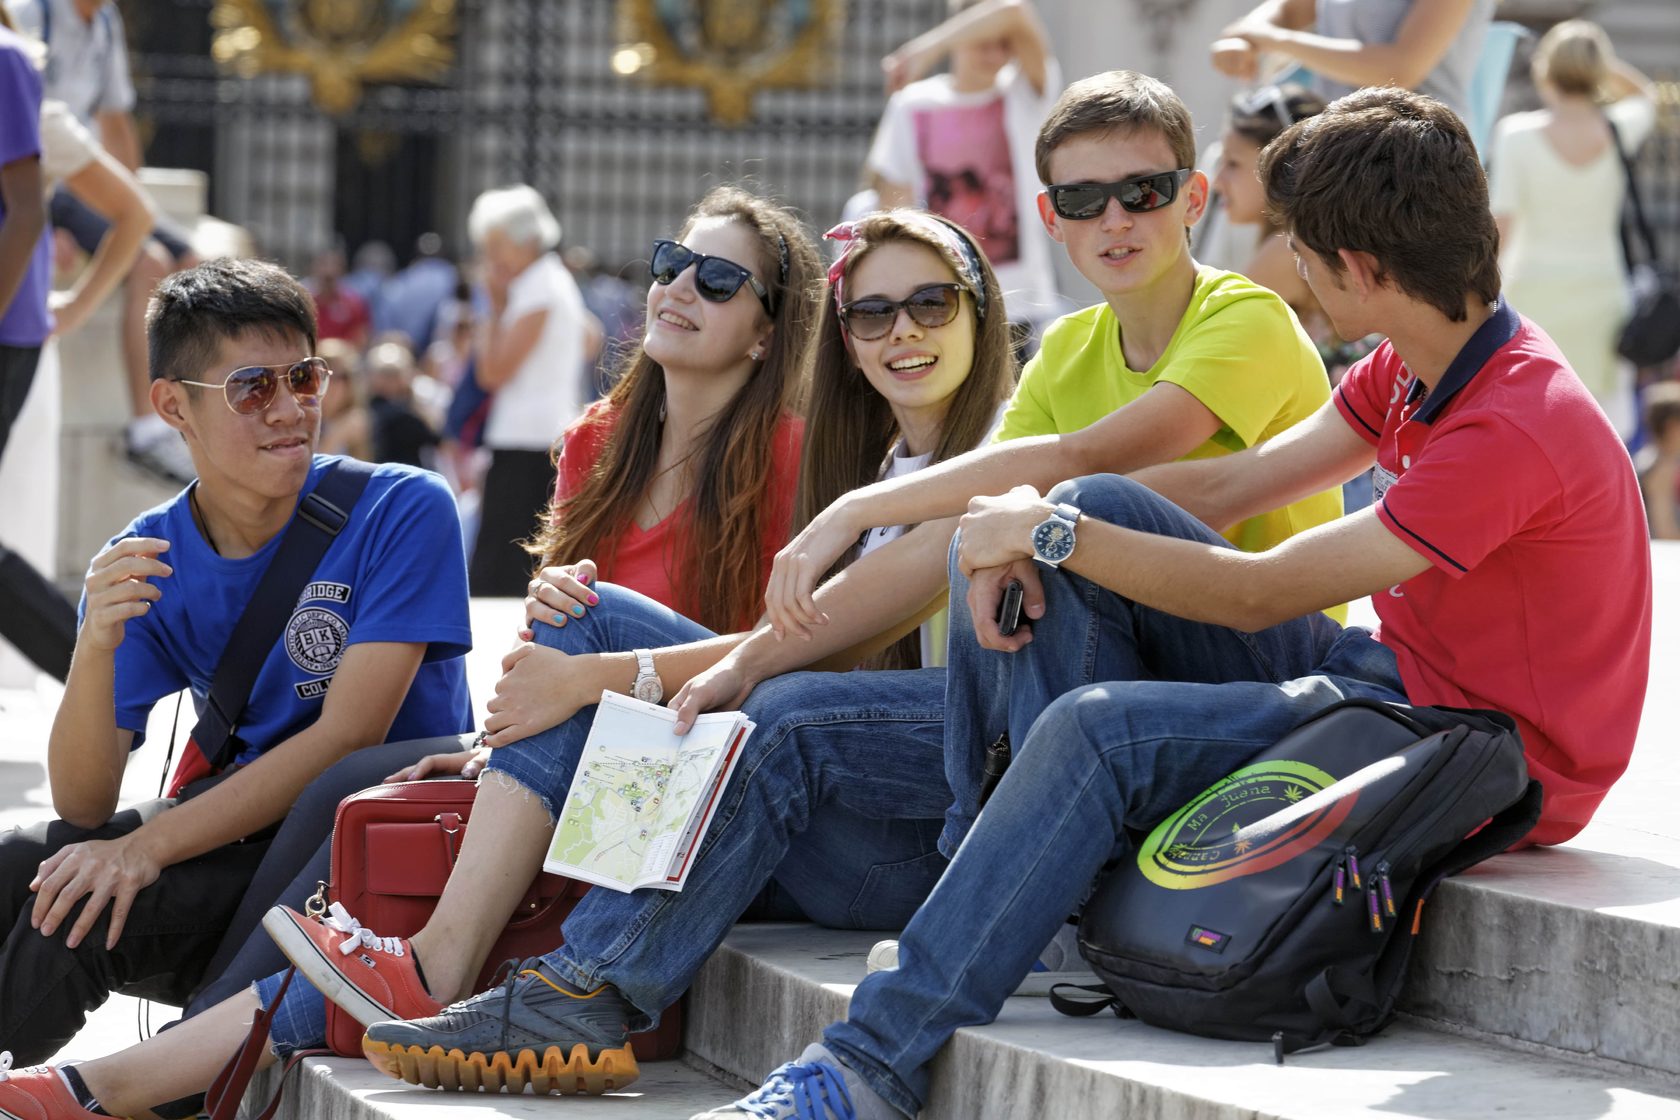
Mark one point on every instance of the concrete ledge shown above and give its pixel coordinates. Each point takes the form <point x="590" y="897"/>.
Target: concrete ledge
<point x="1547" y="947"/>
<point x="350" y="1089"/>
<point x="772" y="988"/>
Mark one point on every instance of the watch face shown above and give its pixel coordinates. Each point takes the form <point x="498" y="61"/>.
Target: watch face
<point x="1053" y="541"/>
<point x="648" y="690"/>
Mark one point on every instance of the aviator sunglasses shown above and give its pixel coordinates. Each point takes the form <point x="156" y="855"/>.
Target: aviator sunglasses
<point x="1080" y="201"/>
<point x="717" y="279"/>
<point x="251" y="389"/>
<point x="872" y="317"/>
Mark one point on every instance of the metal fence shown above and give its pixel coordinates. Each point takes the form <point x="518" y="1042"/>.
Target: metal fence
<point x="533" y="98"/>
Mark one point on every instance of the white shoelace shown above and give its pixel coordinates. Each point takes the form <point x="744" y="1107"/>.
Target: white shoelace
<point x="339" y="920"/>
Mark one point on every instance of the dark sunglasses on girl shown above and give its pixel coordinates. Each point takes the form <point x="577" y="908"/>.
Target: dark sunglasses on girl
<point x="251" y="389"/>
<point x="1080" y="201"/>
<point x="717" y="279"/>
<point x="872" y="317"/>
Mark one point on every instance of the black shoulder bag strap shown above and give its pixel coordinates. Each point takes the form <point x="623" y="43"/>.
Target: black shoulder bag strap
<point x="321" y="515"/>
<point x="1641" y="224"/>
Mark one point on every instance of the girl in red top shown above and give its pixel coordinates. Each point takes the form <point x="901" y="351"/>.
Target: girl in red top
<point x="680" y="483"/>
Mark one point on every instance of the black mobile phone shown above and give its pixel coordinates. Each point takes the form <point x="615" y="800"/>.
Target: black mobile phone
<point x="1009" y="611"/>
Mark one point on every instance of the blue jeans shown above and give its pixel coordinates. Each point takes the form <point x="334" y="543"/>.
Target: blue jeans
<point x="623" y="620"/>
<point x="1125" y="714"/>
<point x="838" y="796"/>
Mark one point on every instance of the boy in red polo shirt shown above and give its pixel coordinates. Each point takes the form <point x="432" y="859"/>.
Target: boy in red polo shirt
<point x="1506" y="555"/>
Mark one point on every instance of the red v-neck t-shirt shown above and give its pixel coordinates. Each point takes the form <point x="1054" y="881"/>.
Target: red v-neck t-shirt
<point x="1511" y="482"/>
<point x="648" y="560"/>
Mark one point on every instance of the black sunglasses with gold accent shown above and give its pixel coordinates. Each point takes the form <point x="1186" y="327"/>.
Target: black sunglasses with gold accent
<point x="717" y="279"/>
<point x="871" y="317"/>
<point x="1140" y="194"/>
<point x="251" y="389"/>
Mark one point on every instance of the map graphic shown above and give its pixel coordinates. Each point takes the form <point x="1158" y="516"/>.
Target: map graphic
<point x="641" y="796"/>
<point x="623" y="820"/>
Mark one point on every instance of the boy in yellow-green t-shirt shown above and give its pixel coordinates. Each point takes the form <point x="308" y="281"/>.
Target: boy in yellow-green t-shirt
<point x="1237" y="349"/>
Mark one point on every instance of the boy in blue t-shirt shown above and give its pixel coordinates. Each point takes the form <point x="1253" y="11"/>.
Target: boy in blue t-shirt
<point x="137" y="900"/>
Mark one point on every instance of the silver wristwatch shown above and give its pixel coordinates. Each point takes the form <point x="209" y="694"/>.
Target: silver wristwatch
<point x="647" y="686"/>
<point x="1053" y="538"/>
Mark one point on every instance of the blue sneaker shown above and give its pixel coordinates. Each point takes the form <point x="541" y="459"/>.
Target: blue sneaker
<point x="531" y="1030"/>
<point x="814" y="1086"/>
<point x="801" y="1090"/>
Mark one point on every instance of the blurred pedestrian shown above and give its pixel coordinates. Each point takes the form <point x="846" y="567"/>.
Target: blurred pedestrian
<point x="1556" y="188"/>
<point x="340" y="311"/>
<point x="400" y="434"/>
<point x="33" y="615"/>
<point x="527" y="355"/>
<point x="961" y="143"/>
<point x="1431" y="46"/>
<point x="87" y="69"/>
<point x="1658" y="462"/>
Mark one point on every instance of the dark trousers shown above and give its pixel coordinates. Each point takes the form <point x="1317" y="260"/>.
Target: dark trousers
<point x="194" y="937"/>
<point x="46" y="989"/>
<point x="517" y="487"/>
<point x="34" y="617"/>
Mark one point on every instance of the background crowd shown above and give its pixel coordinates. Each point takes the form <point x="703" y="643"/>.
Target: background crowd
<point x="475" y="367"/>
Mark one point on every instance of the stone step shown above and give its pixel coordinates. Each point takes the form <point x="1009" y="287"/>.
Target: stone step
<point x="772" y="988"/>
<point x="350" y="1089"/>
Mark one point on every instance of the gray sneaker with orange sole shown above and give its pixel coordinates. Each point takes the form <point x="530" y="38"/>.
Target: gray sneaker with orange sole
<point x="530" y="1030"/>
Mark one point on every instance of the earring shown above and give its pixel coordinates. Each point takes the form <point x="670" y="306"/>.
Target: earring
<point x="757" y="355"/>
<point x="662" y="410"/>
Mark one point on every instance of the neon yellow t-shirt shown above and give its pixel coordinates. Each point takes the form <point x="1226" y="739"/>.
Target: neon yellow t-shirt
<point x="1238" y="349"/>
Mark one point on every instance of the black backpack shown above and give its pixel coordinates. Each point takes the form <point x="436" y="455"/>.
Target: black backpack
<point x="1283" y="903"/>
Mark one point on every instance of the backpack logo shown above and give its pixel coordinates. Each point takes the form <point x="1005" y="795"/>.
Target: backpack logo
<point x="1247" y="822"/>
<point x="1210" y="939"/>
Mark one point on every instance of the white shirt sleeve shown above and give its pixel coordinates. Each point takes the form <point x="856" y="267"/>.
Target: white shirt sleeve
<point x="893" y="155"/>
<point x="529" y="291"/>
<point x="117" y="90"/>
<point x="1505" y="172"/>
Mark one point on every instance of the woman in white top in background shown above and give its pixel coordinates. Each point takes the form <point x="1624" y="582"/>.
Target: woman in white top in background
<point x="537" y="339"/>
<point x="1556" y="190"/>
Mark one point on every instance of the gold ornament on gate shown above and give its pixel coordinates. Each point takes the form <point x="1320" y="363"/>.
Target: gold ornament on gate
<point x="340" y="45"/>
<point x="730" y="49"/>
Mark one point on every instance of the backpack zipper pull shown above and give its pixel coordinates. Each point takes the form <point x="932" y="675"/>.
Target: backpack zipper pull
<point x="1352" y="855"/>
<point x="1376" y="911"/>
<point x="1339" y="880"/>
<point x="1387" y="888"/>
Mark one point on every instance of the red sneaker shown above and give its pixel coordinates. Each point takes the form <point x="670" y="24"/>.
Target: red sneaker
<point x="36" y="1093"/>
<point x="373" y="978"/>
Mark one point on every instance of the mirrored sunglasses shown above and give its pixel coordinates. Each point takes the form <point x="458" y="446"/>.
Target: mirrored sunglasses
<point x="251" y="389"/>
<point x="717" y="279"/>
<point x="1140" y="194"/>
<point x="872" y="317"/>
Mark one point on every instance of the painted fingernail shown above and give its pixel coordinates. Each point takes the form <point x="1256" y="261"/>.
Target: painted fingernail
<point x="559" y="620"/>
<point x="577" y="610"/>
<point x="593" y="599"/>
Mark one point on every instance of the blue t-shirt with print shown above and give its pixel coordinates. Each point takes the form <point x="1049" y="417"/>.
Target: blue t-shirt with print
<point x="396" y="573"/>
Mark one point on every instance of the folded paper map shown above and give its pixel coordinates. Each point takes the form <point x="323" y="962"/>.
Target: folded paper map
<point x="642" y="796"/>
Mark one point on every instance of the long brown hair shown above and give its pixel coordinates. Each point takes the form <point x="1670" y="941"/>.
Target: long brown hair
<point x="720" y="581"/>
<point x="851" y="427"/>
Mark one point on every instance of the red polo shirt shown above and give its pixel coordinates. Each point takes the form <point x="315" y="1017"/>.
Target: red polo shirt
<point x="1508" y="478"/>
